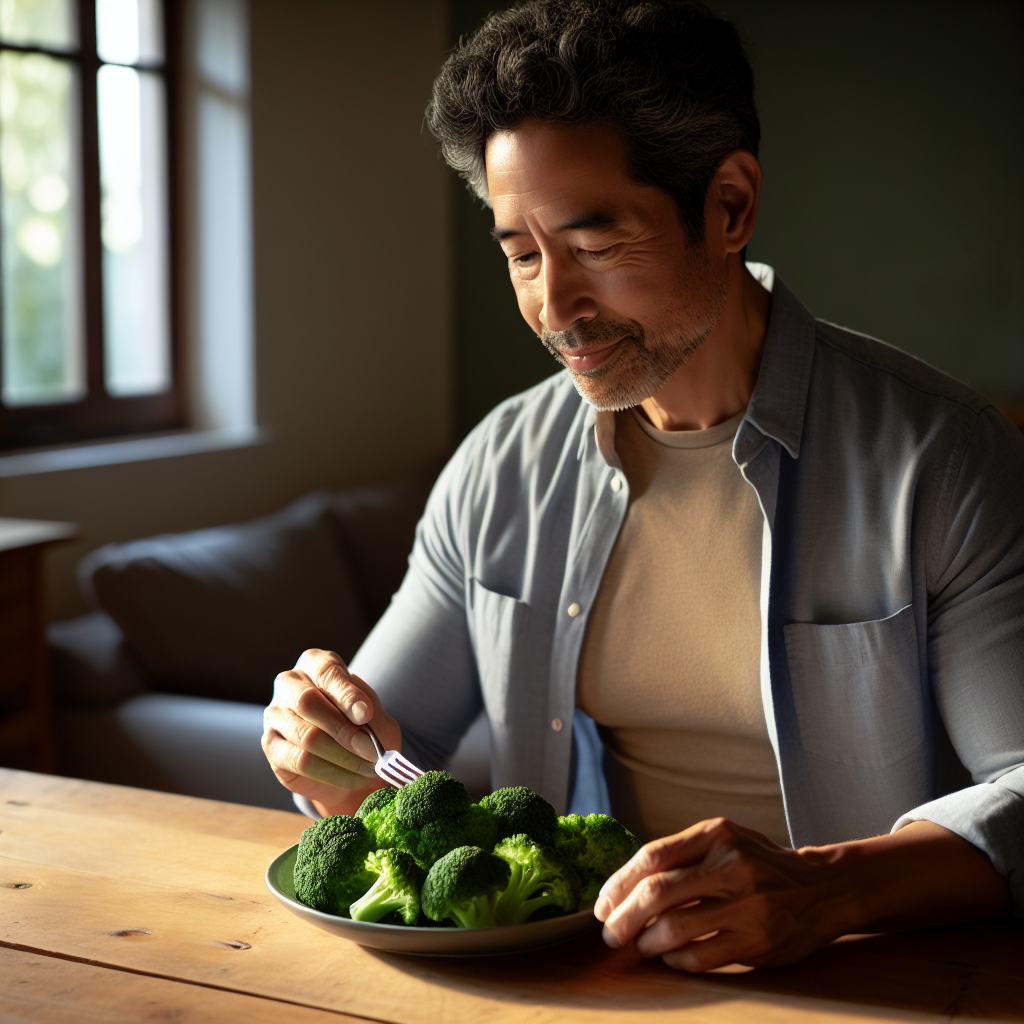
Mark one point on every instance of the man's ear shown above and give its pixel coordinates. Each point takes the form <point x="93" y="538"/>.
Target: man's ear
<point x="731" y="209"/>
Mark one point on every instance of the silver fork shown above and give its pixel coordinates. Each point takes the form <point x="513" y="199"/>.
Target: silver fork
<point x="391" y="766"/>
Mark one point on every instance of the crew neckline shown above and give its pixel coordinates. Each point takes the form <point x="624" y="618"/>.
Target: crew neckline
<point x="720" y="433"/>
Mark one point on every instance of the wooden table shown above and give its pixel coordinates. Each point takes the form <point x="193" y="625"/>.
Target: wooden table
<point x="127" y="905"/>
<point x="26" y="730"/>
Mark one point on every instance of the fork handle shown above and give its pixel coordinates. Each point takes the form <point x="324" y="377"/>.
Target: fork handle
<point x="376" y="742"/>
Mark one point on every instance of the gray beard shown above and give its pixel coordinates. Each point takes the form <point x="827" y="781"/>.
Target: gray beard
<point x="639" y="367"/>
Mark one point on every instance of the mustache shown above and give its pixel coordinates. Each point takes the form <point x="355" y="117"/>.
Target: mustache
<point x="593" y="334"/>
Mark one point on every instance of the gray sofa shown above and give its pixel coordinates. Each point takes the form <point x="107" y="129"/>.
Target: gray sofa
<point x="163" y="685"/>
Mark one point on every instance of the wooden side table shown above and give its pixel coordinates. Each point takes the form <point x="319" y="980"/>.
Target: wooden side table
<point x="26" y="714"/>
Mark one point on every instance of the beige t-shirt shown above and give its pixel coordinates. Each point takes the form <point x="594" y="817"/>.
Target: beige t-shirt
<point x="670" y="667"/>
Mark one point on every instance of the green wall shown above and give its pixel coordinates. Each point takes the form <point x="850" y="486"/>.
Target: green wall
<point x="892" y="149"/>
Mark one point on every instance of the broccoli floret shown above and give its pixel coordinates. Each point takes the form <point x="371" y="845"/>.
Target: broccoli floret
<point x="541" y="879"/>
<point x="463" y="887"/>
<point x="329" y="868"/>
<point x="597" y="846"/>
<point x="432" y="796"/>
<point x="377" y="813"/>
<point x="376" y="800"/>
<point x="397" y="888"/>
<point x="480" y="827"/>
<point x="469" y="825"/>
<point x="518" y="810"/>
<point x="473" y="827"/>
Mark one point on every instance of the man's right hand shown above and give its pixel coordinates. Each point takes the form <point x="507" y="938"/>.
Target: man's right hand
<point x="312" y="735"/>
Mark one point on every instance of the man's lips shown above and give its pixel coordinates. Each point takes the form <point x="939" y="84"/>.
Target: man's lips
<point x="588" y="359"/>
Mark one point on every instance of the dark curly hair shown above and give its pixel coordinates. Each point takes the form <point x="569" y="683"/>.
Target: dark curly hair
<point x="670" y="74"/>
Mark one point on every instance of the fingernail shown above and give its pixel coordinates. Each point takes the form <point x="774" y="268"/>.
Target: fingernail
<point x="688" y="962"/>
<point x="602" y="908"/>
<point x="364" y="748"/>
<point x="359" y="713"/>
<point x="610" y="938"/>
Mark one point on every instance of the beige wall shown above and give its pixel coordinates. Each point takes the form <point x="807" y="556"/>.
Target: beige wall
<point x="352" y="271"/>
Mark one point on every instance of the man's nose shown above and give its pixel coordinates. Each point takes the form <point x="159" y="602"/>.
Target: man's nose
<point x="567" y="297"/>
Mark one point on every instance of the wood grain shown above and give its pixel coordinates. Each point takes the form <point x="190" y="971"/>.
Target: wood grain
<point x="46" y="990"/>
<point x="173" y="887"/>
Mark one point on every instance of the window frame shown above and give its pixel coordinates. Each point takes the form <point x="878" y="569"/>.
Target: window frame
<point x="98" y="414"/>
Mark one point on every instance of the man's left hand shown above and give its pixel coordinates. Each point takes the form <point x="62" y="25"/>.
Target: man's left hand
<point x="764" y="905"/>
<point x="718" y="894"/>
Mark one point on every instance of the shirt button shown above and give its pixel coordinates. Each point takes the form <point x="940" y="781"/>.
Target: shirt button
<point x="556" y="724"/>
<point x="616" y="484"/>
<point x="573" y="610"/>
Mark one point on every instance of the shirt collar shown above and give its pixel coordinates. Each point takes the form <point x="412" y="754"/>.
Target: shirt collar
<point x="777" y="405"/>
<point x="779" y="400"/>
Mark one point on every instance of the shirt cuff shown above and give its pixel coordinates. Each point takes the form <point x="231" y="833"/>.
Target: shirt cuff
<point x="991" y="816"/>
<point x="305" y="806"/>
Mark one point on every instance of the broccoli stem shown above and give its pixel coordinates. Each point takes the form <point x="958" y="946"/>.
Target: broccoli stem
<point x="380" y="899"/>
<point x="515" y="905"/>
<point x="477" y="913"/>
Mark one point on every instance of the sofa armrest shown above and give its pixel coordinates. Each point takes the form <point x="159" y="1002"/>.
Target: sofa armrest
<point x="89" y="662"/>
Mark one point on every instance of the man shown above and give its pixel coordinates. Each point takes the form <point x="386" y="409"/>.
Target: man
<point x="778" y="563"/>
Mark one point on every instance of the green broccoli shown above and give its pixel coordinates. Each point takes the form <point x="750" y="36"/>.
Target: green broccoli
<point x="427" y="818"/>
<point x="473" y="827"/>
<point x="330" y="867"/>
<point x="377" y="813"/>
<point x="376" y="800"/>
<point x="463" y="887"/>
<point x="397" y="888"/>
<point x="518" y="810"/>
<point x="541" y="879"/>
<point x="597" y="846"/>
<point x="433" y="795"/>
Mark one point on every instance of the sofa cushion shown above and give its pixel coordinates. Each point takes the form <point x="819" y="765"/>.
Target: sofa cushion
<point x="375" y="527"/>
<point x="219" y="612"/>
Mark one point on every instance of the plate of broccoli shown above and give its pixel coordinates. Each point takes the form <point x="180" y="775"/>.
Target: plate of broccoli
<point x="424" y="870"/>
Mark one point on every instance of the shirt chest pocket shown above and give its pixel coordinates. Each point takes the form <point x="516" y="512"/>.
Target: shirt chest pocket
<point x="857" y="689"/>
<point x="495" y="622"/>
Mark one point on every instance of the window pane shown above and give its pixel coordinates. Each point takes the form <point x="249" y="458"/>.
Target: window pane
<point x="42" y="333"/>
<point x="222" y="45"/>
<point x="38" y="23"/>
<point x="132" y="169"/>
<point x="129" y="31"/>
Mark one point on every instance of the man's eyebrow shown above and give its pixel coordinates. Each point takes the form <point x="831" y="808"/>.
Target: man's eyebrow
<point x="587" y="221"/>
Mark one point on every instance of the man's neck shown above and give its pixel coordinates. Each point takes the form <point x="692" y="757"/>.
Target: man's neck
<point x="716" y="382"/>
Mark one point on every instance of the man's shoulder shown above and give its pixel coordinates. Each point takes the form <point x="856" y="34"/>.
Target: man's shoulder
<point x="868" y="359"/>
<point x="544" y="412"/>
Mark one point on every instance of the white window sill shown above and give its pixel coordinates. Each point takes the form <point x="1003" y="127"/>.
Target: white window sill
<point x="136" y="449"/>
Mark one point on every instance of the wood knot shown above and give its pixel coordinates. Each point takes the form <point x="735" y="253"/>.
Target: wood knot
<point x="230" y="944"/>
<point x="124" y="932"/>
<point x="18" y="885"/>
<point x="18" y="803"/>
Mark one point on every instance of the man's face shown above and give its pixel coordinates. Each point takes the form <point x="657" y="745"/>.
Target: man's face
<point x="601" y="267"/>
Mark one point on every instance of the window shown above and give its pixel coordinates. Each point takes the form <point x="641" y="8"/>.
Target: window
<point x="87" y="283"/>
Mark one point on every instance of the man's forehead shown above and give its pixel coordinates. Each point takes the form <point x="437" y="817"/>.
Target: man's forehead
<point x="573" y="175"/>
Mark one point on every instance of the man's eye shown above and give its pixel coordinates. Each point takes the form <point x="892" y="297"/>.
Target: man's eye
<point x="525" y="259"/>
<point x="598" y="254"/>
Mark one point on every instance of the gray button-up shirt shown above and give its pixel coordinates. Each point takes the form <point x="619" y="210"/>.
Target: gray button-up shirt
<point x="892" y="605"/>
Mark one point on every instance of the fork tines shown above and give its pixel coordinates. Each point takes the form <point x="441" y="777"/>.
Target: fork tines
<point x="398" y="772"/>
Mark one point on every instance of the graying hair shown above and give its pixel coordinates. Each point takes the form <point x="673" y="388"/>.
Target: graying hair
<point x="670" y="74"/>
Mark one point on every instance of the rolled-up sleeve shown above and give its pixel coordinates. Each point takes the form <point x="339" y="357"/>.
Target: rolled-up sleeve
<point x="976" y="645"/>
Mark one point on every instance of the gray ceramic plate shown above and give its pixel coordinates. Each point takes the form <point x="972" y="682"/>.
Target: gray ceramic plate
<point x="426" y="941"/>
